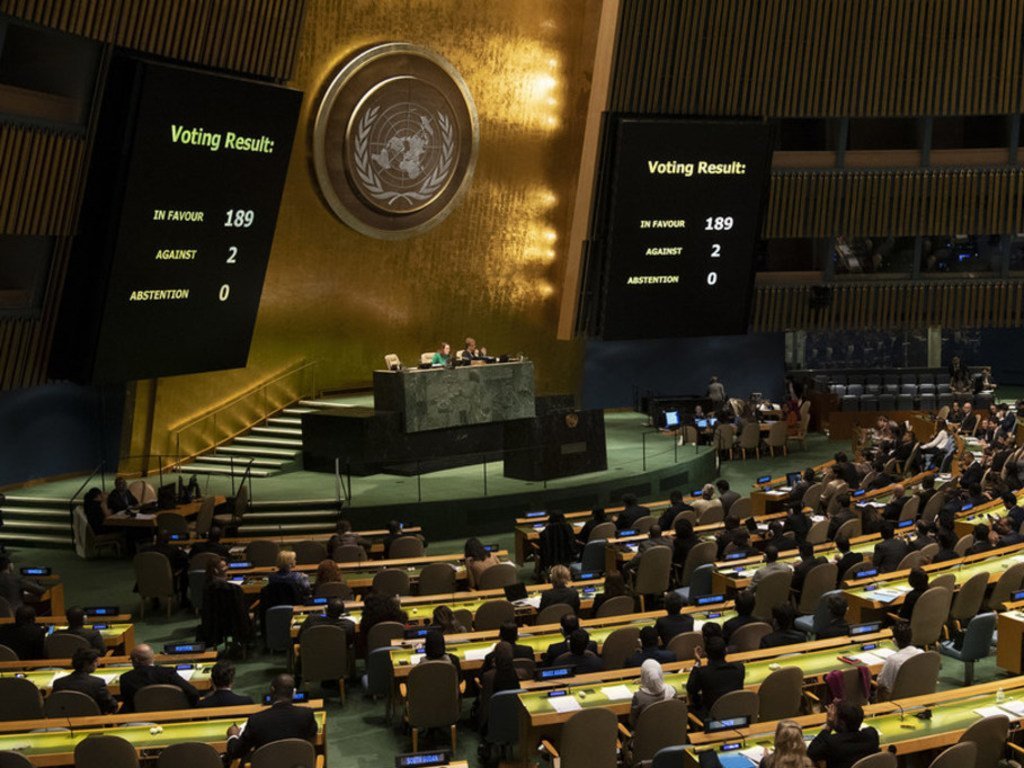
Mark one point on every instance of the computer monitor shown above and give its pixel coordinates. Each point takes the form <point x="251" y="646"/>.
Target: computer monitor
<point x="701" y="423"/>
<point x="671" y="419"/>
<point x="792" y="478"/>
<point x="515" y="591"/>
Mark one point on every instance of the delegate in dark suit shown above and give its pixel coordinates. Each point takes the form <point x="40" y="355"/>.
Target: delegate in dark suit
<point x="888" y="554"/>
<point x="25" y="639"/>
<point x="92" y="686"/>
<point x="672" y="625"/>
<point x="283" y="720"/>
<point x="709" y="683"/>
<point x="140" y="677"/>
<point x="843" y="749"/>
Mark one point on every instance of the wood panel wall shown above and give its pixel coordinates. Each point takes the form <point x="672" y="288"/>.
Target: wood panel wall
<point x="255" y="37"/>
<point x="42" y="170"/>
<point x="801" y="58"/>
<point x="897" y="203"/>
<point x="876" y="306"/>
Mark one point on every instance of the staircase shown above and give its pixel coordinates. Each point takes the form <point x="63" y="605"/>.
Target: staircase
<point x="36" y="521"/>
<point x="267" y="518"/>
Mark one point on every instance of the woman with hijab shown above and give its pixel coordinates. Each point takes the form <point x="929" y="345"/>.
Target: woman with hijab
<point x="790" y="749"/>
<point x="652" y="689"/>
<point x="434" y="650"/>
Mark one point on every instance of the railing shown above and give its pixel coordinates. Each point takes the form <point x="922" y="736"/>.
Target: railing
<point x="227" y="421"/>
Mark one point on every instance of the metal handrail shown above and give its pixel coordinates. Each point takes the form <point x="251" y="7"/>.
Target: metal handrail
<point x="99" y="468"/>
<point x="258" y="390"/>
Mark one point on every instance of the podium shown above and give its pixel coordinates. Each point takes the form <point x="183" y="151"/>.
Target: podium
<point x="559" y="442"/>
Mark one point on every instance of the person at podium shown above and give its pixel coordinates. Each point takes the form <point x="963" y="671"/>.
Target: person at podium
<point x="443" y="356"/>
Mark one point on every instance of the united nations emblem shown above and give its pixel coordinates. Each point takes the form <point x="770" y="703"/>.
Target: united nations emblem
<point x="395" y="141"/>
<point x="572" y="419"/>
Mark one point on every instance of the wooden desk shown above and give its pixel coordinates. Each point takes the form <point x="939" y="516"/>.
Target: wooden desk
<point x="56" y="748"/>
<point x="866" y="602"/>
<point x="953" y="711"/>
<point x="815" y="659"/>
<point x="118" y="635"/>
<point x="44" y="677"/>
<point x="237" y="544"/>
<point x="1010" y="649"/>
<point x="148" y="519"/>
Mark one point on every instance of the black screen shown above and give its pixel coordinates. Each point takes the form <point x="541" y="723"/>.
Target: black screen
<point x="178" y="221"/>
<point x="682" y="226"/>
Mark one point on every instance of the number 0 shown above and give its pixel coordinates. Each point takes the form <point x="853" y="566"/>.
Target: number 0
<point x="712" y="278"/>
<point x="225" y="290"/>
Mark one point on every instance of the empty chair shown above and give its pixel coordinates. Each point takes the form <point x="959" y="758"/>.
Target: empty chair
<point x="204" y="520"/>
<point x="433" y="699"/>
<point x="910" y="508"/>
<point x="748" y="637"/>
<point x="869" y="402"/>
<point x="931" y="509"/>
<point x="294" y="753"/>
<point x="498" y="576"/>
<point x="654" y="573"/>
<point x="65" y="704"/>
<point x="724" y="439"/>
<point x="381" y="634"/>
<point x="439" y="579"/>
<point x="277" y="627"/>
<point x="553" y="613"/>
<point x="62" y="645"/>
<point x="817" y="533"/>
<point x="929" y="616"/>
<point x="660" y="725"/>
<point x="194" y="754"/>
<point x="947" y="581"/>
<point x="1007" y="584"/>
<point x="605" y="530"/>
<point x="620" y="605"/>
<point x="172" y="522"/>
<point x="200" y="561"/>
<point x="968" y="599"/>
<point x="917" y="676"/>
<point x="406" y="546"/>
<point x="700" y="554"/>
<point x="700" y="583"/>
<point x="619" y="645"/>
<point x="741" y="509"/>
<point x="849" y="403"/>
<point x="155" y="698"/>
<point x="592" y="559"/>
<point x="750" y="438"/>
<point x="958" y="756"/>
<point x="685" y="644"/>
<point x="262" y="553"/>
<point x="309" y="552"/>
<point x="908" y="389"/>
<point x="644" y="524"/>
<point x="587" y="741"/>
<point x="837" y="389"/>
<point x="989" y="735"/>
<point x="855" y="389"/>
<point x="963" y="544"/>
<point x="890" y="388"/>
<point x="349" y="553"/>
<point x="904" y="402"/>
<point x="927" y="401"/>
<point x="14" y="760"/>
<point x="819" y="580"/>
<point x="976" y="646"/>
<point x="333" y="589"/>
<point x="105" y="752"/>
<point x="945" y="398"/>
<point x="503" y="718"/>
<point x="153" y="579"/>
<point x="849" y="530"/>
<point x="493" y="614"/>
<point x="887" y="401"/>
<point x="325" y="656"/>
<point x="910" y="561"/>
<point x="780" y="694"/>
<point x="742" y="703"/>
<point x="6" y="654"/>
<point x="391" y="581"/>
<point x="771" y="591"/>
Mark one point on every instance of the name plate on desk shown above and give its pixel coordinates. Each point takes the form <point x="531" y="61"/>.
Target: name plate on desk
<point x="440" y="398"/>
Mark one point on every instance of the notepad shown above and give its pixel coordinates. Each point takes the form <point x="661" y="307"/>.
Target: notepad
<point x="867" y="658"/>
<point x="990" y="712"/>
<point x="1014" y="707"/>
<point x="186" y="674"/>
<point x="533" y="601"/>
<point x="755" y="754"/>
<point x="884" y="595"/>
<point x="108" y="677"/>
<point x="617" y="692"/>
<point x="565" y="704"/>
<point x="477" y="654"/>
<point x="416" y="658"/>
<point x="57" y="676"/>
<point x="885" y="653"/>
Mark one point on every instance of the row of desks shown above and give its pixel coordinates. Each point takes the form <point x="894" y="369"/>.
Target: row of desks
<point x="237" y="544"/>
<point x="118" y="631"/>
<point x="44" y="672"/>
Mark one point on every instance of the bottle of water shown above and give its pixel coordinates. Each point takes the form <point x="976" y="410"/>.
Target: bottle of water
<point x="1000" y="696"/>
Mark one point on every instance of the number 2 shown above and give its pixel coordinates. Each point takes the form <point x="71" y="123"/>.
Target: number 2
<point x="232" y="254"/>
<point x="716" y="250"/>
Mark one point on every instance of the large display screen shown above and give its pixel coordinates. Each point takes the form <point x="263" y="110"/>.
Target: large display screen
<point x="178" y="221"/>
<point x="682" y="227"/>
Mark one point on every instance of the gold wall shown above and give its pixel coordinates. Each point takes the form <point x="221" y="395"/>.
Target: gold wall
<point x="493" y="269"/>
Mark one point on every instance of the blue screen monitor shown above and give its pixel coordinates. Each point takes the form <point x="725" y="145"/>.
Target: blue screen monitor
<point x="671" y="419"/>
<point x="552" y="673"/>
<point x="865" y="629"/>
<point x="419" y="759"/>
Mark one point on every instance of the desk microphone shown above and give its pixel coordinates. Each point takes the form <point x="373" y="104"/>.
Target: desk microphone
<point x="902" y="714"/>
<point x="71" y="728"/>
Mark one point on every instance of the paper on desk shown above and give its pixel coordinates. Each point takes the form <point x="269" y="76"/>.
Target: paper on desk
<point x="990" y="711"/>
<point x="883" y="595"/>
<point x="533" y="601"/>
<point x="186" y="674"/>
<point x="755" y="754"/>
<point x="817" y="518"/>
<point x="617" y="692"/>
<point x="57" y="676"/>
<point x="868" y="658"/>
<point x="108" y="677"/>
<point x="477" y="654"/>
<point x="565" y="704"/>
<point x="145" y="516"/>
<point x="885" y="653"/>
<point x="1014" y="707"/>
<point x="416" y="658"/>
